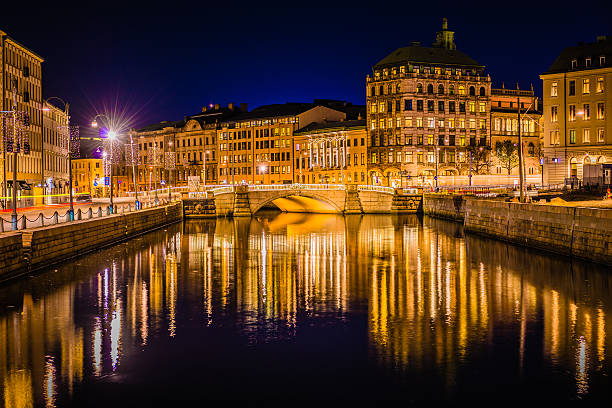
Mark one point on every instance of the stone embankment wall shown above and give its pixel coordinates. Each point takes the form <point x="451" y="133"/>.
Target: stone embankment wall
<point x="581" y="232"/>
<point x="40" y="247"/>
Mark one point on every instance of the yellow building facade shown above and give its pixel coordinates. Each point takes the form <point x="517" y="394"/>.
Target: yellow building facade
<point x="577" y="105"/>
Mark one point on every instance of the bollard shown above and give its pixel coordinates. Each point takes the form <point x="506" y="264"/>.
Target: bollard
<point x="23" y="225"/>
<point x="1" y="224"/>
<point x="130" y="207"/>
<point x="42" y="219"/>
<point x="99" y="212"/>
<point x="108" y="210"/>
<point x="55" y="218"/>
<point x="79" y="216"/>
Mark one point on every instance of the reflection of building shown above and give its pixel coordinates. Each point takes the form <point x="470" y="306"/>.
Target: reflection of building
<point x="21" y="69"/>
<point x="425" y="106"/>
<point x="55" y="149"/>
<point x="505" y="104"/>
<point x="577" y="106"/>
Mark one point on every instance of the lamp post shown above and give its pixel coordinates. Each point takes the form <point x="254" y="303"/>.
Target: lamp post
<point x="66" y="110"/>
<point x="111" y="136"/>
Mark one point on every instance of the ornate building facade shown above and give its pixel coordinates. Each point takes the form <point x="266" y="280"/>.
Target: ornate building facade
<point x="577" y="105"/>
<point x="425" y="107"/>
<point x="55" y="150"/>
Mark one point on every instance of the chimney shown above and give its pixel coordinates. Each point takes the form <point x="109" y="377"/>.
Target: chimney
<point x="243" y="107"/>
<point x="230" y="106"/>
<point x="217" y="106"/>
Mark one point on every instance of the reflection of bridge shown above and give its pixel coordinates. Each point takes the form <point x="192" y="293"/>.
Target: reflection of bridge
<point x="245" y="200"/>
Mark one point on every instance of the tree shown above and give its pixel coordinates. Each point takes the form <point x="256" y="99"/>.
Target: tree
<point x="507" y="154"/>
<point x="480" y="159"/>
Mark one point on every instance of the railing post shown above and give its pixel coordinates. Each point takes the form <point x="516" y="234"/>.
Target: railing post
<point x="55" y="218"/>
<point x="42" y="219"/>
<point x="99" y="212"/>
<point x="23" y="225"/>
<point x="78" y="217"/>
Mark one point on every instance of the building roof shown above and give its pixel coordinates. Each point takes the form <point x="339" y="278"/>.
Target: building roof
<point x="23" y="47"/>
<point x="331" y="126"/>
<point x="161" y="125"/>
<point x="415" y="54"/>
<point x="290" y="109"/>
<point x="506" y="109"/>
<point x="563" y="63"/>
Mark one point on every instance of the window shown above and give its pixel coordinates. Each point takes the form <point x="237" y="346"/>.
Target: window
<point x="419" y="88"/>
<point x="554" y="113"/>
<point x="482" y="107"/>
<point x="461" y="107"/>
<point x="451" y="90"/>
<point x="554" y="89"/>
<point x="430" y="89"/>
<point x="451" y="106"/>
<point x="451" y="123"/>
<point x="461" y="123"/>
<point x="441" y="124"/>
<point x="381" y="124"/>
<point x="600" y="135"/>
<point x="586" y="135"/>
<point x="374" y="157"/>
<point x="419" y="106"/>
<point x="602" y="60"/>
<point x="408" y="122"/>
<point x="408" y="104"/>
<point x="586" y="111"/>
<point x="398" y="122"/>
<point x="440" y="106"/>
<point x="431" y="123"/>
<point x="586" y="86"/>
<point x="419" y="122"/>
<point x="531" y="149"/>
<point x="600" y="84"/>
<point x="572" y="113"/>
<point x="572" y="136"/>
<point x="601" y="114"/>
<point x="587" y="62"/>
<point x="390" y="157"/>
<point x="419" y="157"/>
<point x="462" y="140"/>
<point x="440" y="89"/>
<point x="431" y="158"/>
<point x="472" y="107"/>
<point x="472" y="123"/>
<point x="554" y="137"/>
<point x="430" y="106"/>
<point x="373" y="108"/>
<point x="381" y="107"/>
<point x="497" y="124"/>
<point x="461" y="90"/>
<point x="572" y="88"/>
<point x="483" y="124"/>
<point x="430" y="140"/>
<point x="408" y="157"/>
<point x="472" y="91"/>
<point x="482" y="91"/>
<point x="574" y="63"/>
<point x="399" y="157"/>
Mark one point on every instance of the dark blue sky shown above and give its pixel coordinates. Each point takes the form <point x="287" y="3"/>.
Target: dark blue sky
<point x="163" y="63"/>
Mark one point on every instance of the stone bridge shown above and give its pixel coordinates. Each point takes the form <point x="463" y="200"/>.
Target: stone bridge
<point x="246" y="200"/>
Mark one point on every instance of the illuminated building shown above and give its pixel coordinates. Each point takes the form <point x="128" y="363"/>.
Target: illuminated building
<point x="505" y="104"/>
<point x="425" y="106"/>
<point x="331" y="152"/>
<point x="257" y="147"/>
<point x="577" y="106"/>
<point x="88" y="176"/>
<point x="21" y="69"/>
<point x="55" y="149"/>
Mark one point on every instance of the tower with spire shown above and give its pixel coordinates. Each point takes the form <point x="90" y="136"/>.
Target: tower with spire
<point x="445" y="38"/>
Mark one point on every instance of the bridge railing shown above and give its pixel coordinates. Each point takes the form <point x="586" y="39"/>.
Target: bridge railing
<point x="379" y="189"/>
<point x="222" y="190"/>
<point x="296" y="186"/>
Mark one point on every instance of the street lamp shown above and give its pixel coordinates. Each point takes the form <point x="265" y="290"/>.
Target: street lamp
<point x="111" y="136"/>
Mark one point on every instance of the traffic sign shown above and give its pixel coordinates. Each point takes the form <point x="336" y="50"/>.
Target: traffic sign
<point x="163" y="182"/>
<point x="106" y="181"/>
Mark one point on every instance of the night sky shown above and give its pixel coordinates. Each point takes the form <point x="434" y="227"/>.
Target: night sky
<point x="158" y="64"/>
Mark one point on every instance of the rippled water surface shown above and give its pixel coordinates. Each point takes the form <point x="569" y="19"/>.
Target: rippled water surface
<point x="306" y="308"/>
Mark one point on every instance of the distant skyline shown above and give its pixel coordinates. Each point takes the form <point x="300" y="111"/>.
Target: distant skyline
<point x="159" y="64"/>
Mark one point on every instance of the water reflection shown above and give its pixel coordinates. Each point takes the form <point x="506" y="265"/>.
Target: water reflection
<point x="435" y="301"/>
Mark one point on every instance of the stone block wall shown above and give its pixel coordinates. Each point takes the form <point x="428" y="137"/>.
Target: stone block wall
<point x="592" y="236"/>
<point x="373" y="202"/>
<point x="11" y="254"/>
<point x="199" y="207"/>
<point x="450" y="207"/>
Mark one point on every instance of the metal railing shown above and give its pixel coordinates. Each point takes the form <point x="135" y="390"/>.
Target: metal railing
<point x="296" y="186"/>
<point x="380" y="189"/>
<point x="27" y="221"/>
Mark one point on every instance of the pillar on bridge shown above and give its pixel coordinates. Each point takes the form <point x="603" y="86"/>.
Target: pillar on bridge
<point x="352" y="204"/>
<point x="242" y="207"/>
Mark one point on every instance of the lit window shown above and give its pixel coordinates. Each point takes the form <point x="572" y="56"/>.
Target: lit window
<point x="586" y="111"/>
<point x="601" y="114"/>
<point x="431" y="158"/>
<point x="382" y="124"/>
<point x="602" y="60"/>
<point x="586" y="135"/>
<point x="408" y="157"/>
<point x="441" y="123"/>
<point x="373" y="125"/>
<point x="373" y="110"/>
<point x="572" y="113"/>
<point x="483" y="124"/>
<point x="390" y="157"/>
<point x="430" y="139"/>
<point x="586" y="86"/>
<point x="574" y="63"/>
<point x="399" y="157"/>
<point x="472" y="107"/>
<point x="554" y="137"/>
<point x="554" y="113"/>
<point x="600" y="135"/>
<point x="398" y="122"/>
<point x="554" y="89"/>
<point x="462" y="140"/>
<point x="431" y="123"/>
<point x="381" y="107"/>
<point x="408" y="122"/>
<point x="482" y="107"/>
<point x="451" y="123"/>
<point x="461" y="124"/>
<point x="390" y="123"/>
<point x="572" y="136"/>
<point x="472" y="123"/>
<point x="600" y="84"/>
<point x="419" y="122"/>
<point x="461" y="90"/>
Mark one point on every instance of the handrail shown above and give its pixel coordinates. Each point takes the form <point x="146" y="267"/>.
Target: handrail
<point x="295" y="186"/>
<point x="380" y="189"/>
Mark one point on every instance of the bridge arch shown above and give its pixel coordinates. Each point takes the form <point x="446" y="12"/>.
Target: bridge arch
<point x="299" y="201"/>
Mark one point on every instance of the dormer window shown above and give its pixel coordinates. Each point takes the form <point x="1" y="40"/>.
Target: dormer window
<point x="587" y="62"/>
<point x="574" y="63"/>
<point x="602" y="60"/>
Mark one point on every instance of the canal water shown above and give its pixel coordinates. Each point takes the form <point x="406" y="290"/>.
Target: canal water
<point x="307" y="308"/>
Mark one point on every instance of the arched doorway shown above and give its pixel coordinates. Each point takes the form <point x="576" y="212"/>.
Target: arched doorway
<point x="573" y="167"/>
